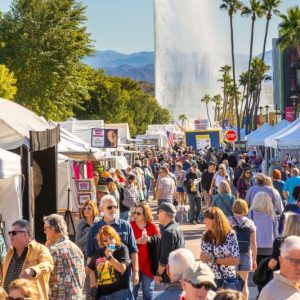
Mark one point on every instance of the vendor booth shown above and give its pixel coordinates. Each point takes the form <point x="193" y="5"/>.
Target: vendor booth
<point x="35" y="140"/>
<point x="11" y="183"/>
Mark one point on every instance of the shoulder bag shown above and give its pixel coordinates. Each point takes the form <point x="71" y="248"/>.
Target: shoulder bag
<point x="230" y="283"/>
<point x="226" y="205"/>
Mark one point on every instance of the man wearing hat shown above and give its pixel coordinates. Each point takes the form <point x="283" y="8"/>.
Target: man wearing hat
<point x="171" y="239"/>
<point x="101" y="190"/>
<point x="260" y="186"/>
<point x="198" y="282"/>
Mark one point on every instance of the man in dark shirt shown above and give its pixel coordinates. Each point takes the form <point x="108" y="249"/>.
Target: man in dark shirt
<point x="202" y="164"/>
<point x="172" y="238"/>
<point x="206" y="179"/>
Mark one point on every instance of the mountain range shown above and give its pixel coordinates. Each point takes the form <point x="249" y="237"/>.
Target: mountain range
<point x="140" y="66"/>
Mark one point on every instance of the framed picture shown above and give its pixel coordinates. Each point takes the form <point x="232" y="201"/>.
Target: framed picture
<point x="82" y="197"/>
<point x="84" y="185"/>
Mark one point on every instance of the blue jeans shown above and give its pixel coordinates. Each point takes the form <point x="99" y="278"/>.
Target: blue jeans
<point x="120" y="295"/>
<point x="147" y="190"/>
<point x="124" y="215"/>
<point x="195" y="207"/>
<point x="147" y="287"/>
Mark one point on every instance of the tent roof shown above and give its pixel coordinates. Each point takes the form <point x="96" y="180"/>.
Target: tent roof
<point x="290" y="139"/>
<point x="264" y="127"/>
<point x="259" y="139"/>
<point x="16" y="122"/>
<point x="10" y="164"/>
<point x="271" y="141"/>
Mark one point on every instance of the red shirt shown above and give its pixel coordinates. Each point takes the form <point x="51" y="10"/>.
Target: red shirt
<point x="144" y="260"/>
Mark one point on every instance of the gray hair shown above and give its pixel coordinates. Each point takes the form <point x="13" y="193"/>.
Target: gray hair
<point x="179" y="261"/>
<point x="107" y="198"/>
<point x="58" y="223"/>
<point x="24" y="224"/>
<point x="290" y="243"/>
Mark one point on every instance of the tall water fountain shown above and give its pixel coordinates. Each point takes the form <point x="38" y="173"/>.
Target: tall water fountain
<point x="189" y="53"/>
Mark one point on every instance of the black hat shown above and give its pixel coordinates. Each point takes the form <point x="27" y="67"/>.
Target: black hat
<point x="168" y="208"/>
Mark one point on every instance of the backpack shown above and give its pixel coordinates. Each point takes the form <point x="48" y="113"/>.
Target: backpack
<point x="131" y="197"/>
<point x="243" y="234"/>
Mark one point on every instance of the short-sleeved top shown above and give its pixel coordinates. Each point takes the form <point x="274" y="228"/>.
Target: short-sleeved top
<point x="166" y="187"/>
<point x="218" y="179"/>
<point x="241" y="220"/>
<point x="289" y="186"/>
<point x="144" y="259"/>
<point x="122" y="227"/>
<point x="109" y="279"/>
<point x="230" y="248"/>
<point x="180" y="178"/>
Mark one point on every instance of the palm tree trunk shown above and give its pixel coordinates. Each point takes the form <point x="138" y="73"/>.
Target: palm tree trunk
<point x="208" y="115"/>
<point x="234" y="81"/>
<point x="249" y="64"/>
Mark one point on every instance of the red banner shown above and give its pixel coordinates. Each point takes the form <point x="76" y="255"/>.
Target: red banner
<point x="289" y="113"/>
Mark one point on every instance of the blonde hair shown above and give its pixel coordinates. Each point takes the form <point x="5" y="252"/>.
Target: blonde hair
<point x="240" y="207"/>
<point x="291" y="225"/>
<point x="3" y="294"/>
<point x="27" y="287"/>
<point x="93" y="204"/>
<point x="262" y="202"/>
<point x="269" y="181"/>
<point x="224" y="187"/>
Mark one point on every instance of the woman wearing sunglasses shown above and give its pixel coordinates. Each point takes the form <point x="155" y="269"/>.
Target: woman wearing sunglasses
<point x="23" y="289"/>
<point x="144" y="228"/>
<point x="89" y="214"/>
<point x="244" y="183"/>
<point x="218" y="178"/>
<point x="109" y="264"/>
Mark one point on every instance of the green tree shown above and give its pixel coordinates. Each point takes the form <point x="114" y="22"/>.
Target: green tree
<point x="44" y="42"/>
<point x="289" y="29"/>
<point x="232" y="7"/>
<point x="207" y="99"/>
<point x="217" y="100"/>
<point x="7" y="83"/>
<point x="255" y="10"/>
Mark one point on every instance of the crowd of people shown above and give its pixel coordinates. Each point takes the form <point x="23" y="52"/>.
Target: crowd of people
<point x="252" y="223"/>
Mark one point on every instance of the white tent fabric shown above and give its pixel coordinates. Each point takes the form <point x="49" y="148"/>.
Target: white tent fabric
<point x="10" y="187"/>
<point x="259" y="139"/>
<point x="15" y="123"/>
<point x="10" y="164"/>
<point x="271" y="140"/>
<point x="252" y="136"/>
<point x="290" y="139"/>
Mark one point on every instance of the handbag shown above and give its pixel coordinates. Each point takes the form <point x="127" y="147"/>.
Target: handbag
<point x="148" y="174"/>
<point x="237" y="283"/>
<point x="263" y="274"/>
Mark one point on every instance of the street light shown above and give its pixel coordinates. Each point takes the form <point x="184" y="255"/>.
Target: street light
<point x="294" y="99"/>
<point x="267" y="109"/>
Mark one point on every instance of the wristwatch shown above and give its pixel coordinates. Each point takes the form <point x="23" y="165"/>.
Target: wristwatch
<point x="213" y="260"/>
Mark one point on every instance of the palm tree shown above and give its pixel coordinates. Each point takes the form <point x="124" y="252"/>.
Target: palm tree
<point x="232" y="7"/>
<point x="226" y="80"/>
<point x="270" y="7"/>
<point x="217" y="100"/>
<point x="182" y="118"/>
<point x="289" y="29"/>
<point x="207" y="99"/>
<point x="254" y="10"/>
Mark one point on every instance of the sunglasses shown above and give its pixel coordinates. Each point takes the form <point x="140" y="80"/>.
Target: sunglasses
<point x="247" y="172"/>
<point x="111" y="207"/>
<point x="15" y="232"/>
<point x="108" y="239"/>
<point x="87" y="208"/>
<point x="207" y="286"/>
<point x="137" y="213"/>
<point x="18" y="298"/>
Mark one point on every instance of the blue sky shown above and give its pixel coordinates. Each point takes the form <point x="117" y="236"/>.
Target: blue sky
<point x="127" y="25"/>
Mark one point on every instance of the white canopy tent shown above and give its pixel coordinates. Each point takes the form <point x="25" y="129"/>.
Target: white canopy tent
<point x="271" y="141"/>
<point x="290" y="139"/>
<point x="10" y="187"/>
<point x="16" y="122"/>
<point x="250" y="138"/>
<point x="259" y="139"/>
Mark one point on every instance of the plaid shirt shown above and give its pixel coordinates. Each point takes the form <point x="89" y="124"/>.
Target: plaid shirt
<point x="67" y="278"/>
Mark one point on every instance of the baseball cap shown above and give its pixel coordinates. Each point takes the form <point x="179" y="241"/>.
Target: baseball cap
<point x="109" y="179"/>
<point x="168" y="208"/>
<point x="260" y="176"/>
<point x="199" y="273"/>
<point x="102" y="188"/>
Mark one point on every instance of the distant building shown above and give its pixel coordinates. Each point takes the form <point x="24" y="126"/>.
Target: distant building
<point x="286" y="79"/>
